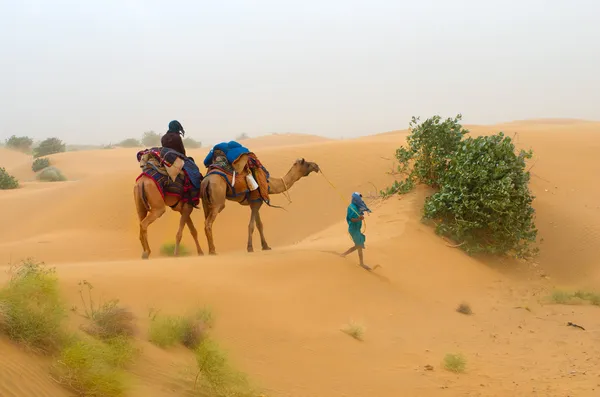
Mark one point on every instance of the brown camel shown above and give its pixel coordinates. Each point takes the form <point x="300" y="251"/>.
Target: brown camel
<point x="213" y="191"/>
<point x="150" y="206"/>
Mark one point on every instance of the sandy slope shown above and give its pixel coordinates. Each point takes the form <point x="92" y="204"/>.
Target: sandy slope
<point x="279" y="313"/>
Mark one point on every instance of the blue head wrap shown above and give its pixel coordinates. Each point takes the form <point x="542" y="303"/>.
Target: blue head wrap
<point x="175" y="126"/>
<point x="360" y="204"/>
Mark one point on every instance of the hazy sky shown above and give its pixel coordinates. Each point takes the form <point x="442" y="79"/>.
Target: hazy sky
<point x="99" y="71"/>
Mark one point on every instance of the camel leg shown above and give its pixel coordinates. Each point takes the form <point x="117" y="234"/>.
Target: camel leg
<point x="259" y="225"/>
<point x="153" y="214"/>
<point x="253" y="213"/>
<point x="142" y="212"/>
<point x="194" y="234"/>
<point x="185" y="215"/>
<point x="208" y="222"/>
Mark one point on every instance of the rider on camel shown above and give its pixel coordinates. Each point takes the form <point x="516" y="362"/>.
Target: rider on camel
<point x="172" y="138"/>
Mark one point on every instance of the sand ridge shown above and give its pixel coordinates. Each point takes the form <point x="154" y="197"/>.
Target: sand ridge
<point x="279" y="313"/>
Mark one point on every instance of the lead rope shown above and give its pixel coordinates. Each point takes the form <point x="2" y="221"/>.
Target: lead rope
<point x="286" y="192"/>
<point x="344" y="200"/>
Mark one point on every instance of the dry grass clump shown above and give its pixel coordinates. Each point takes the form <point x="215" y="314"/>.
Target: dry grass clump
<point x="168" y="249"/>
<point x="455" y="363"/>
<point x="355" y="330"/>
<point x="575" y="298"/>
<point x="166" y="331"/>
<point x="31" y="309"/>
<point x="97" y="368"/>
<point x="107" y="320"/>
<point x="464" y="308"/>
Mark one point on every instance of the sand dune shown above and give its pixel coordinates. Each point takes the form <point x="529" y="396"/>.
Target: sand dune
<point x="279" y="313"/>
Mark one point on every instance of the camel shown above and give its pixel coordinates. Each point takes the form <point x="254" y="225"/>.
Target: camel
<point x="150" y="206"/>
<point x="213" y="191"/>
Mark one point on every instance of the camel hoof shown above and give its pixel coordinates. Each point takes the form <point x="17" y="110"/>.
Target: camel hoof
<point x="267" y="248"/>
<point x="250" y="249"/>
<point x="212" y="253"/>
<point x="145" y="255"/>
<point x="200" y="253"/>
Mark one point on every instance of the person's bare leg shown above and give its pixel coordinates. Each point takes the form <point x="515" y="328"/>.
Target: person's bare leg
<point x="350" y="250"/>
<point x="361" y="259"/>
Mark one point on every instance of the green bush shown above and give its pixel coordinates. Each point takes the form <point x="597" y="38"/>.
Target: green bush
<point x="94" y="368"/>
<point x="49" y="146"/>
<point x="130" y="143"/>
<point x="51" y="174"/>
<point x="7" y="181"/>
<point x="40" y="164"/>
<point x="482" y="199"/>
<point x="20" y="143"/>
<point x="32" y="309"/>
<point x="168" y="249"/>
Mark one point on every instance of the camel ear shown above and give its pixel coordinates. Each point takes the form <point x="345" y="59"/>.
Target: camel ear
<point x="302" y="161"/>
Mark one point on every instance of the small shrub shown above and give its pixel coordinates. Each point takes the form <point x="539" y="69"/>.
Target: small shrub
<point x="32" y="309"/>
<point x="49" y="146"/>
<point x="464" y="308"/>
<point x="355" y="330"/>
<point x="215" y="376"/>
<point x="7" y="181"/>
<point x="94" y="368"/>
<point x="40" y="164"/>
<point x="109" y="319"/>
<point x="455" y="363"/>
<point x="51" y="174"/>
<point x="168" y="249"/>
<point x="20" y="143"/>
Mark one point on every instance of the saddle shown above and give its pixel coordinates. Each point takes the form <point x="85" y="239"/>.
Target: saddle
<point x="173" y="173"/>
<point x="235" y="175"/>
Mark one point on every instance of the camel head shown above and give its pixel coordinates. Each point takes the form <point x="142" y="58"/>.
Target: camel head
<point x="303" y="167"/>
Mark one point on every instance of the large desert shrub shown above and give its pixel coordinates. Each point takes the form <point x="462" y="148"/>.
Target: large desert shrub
<point x="191" y="143"/>
<point x="32" y="309"/>
<point x="40" y="164"/>
<point x="51" y="174"/>
<point x="482" y="200"/>
<point x="49" y="146"/>
<point x="7" y="181"/>
<point x="20" y="143"/>
<point x="151" y="139"/>
<point x="129" y="143"/>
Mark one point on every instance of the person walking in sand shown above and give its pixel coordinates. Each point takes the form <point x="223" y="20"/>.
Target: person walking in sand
<point x="354" y="217"/>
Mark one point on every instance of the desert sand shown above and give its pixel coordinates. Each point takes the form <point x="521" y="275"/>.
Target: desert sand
<point x="279" y="313"/>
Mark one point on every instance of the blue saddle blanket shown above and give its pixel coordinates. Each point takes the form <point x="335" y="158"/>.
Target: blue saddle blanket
<point x="232" y="150"/>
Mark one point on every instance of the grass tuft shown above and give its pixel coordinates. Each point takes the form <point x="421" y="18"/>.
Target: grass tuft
<point x="464" y="308"/>
<point x="32" y="311"/>
<point x="95" y="368"/>
<point x="355" y="330"/>
<point x="575" y="298"/>
<point x="168" y="249"/>
<point x="455" y="363"/>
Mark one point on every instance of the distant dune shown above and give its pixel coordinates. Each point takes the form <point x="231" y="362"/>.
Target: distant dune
<point x="279" y="313"/>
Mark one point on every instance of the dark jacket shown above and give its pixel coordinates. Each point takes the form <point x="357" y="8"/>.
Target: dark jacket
<point x="172" y="140"/>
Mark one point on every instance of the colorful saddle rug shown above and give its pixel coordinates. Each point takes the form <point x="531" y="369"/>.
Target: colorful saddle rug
<point x="173" y="173"/>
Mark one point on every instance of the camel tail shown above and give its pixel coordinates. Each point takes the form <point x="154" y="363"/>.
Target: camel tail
<point x="143" y="197"/>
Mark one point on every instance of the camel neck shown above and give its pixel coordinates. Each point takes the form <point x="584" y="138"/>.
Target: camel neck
<point x="280" y="185"/>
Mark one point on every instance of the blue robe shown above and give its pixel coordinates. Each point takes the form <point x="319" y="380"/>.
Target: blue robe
<point x="354" y="227"/>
